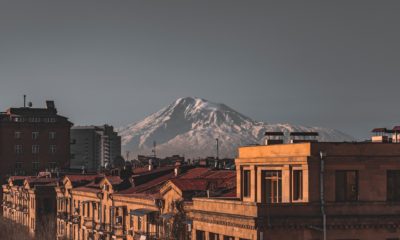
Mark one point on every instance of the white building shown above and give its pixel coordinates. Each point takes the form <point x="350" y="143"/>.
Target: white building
<point x="93" y="147"/>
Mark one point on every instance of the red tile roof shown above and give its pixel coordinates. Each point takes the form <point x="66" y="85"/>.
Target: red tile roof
<point x="114" y="180"/>
<point x="191" y="184"/>
<point x="150" y="187"/>
<point x="77" y="180"/>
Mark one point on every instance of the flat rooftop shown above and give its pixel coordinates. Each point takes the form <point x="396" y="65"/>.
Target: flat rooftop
<point x="314" y="149"/>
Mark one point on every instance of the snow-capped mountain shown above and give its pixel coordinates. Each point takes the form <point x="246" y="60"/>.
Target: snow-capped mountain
<point x="189" y="126"/>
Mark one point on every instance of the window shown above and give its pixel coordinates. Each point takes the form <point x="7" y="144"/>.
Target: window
<point x="393" y="185"/>
<point x="52" y="165"/>
<point x="346" y="184"/>
<point x="35" y="166"/>
<point x="246" y="183"/>
<point x="272" y="186"/>
<point x="35" y="149"/>
<point x="139" y="223"/>
<point x="200" y="235"/>
<point x="17" y="135"/>
<point x="229" y="238"/>
<point x="213" y="236"/>
<point x="297" y="185"/>
<point x="35" y="135"/>
<point x="18" y="165"/>
<point x="52" y="135"/>
<point x="52" y="149"/>
<point x="131" y="222"/>
<point x="18" y="149"/>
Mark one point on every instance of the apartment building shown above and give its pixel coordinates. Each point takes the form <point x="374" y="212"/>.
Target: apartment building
<point x="153" y="206"/>
<point x="94" y="147"/>
<point x="32" y="140"/>
<point x="307" y="191"/>
<point x="31" y="202"/>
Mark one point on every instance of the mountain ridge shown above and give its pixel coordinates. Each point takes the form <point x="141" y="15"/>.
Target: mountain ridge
<point x="189" y="126"/>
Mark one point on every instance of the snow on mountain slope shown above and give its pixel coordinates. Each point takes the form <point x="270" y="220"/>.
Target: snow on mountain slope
<point x="189" y="126"/>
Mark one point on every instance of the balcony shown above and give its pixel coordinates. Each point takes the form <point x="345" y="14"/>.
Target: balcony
<point x="103" y="228"/>
<point x="88" y="223"/>
<point x="149" y="236"/>
<point x="75" y="219"/>
<point x="62" y="216"/>
<point x="119" y="230"/>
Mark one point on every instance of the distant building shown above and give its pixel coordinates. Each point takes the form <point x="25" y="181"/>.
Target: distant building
<point x="33" y="139"/>
<point x="94" y="147"/>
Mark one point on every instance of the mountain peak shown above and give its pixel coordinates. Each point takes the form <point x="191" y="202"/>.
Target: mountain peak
<point x="190" y="125"/>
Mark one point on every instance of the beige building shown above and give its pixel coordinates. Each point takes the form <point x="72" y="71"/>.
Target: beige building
<point x="104" y="207"/>
<point x="30" y="201"/>
<point x="306" y="190"/>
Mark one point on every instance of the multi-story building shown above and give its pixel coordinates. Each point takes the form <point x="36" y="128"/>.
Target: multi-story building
<point x="154" y="206"/>
<point x="307" y="191"/>
<point x="32" y="140"/>
<point x="31" y="201"/>
<point x="94" y="147"/>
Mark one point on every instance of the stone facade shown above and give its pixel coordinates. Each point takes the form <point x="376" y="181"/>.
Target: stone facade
<point x="30" y="201"/>
<point x="279" y="194"/>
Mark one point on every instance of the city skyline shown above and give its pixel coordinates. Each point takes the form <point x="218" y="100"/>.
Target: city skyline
<point x="317" y="64"/>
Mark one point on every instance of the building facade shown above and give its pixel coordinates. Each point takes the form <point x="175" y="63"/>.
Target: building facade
<point x="32" y="140"/>
<point x="300" y="191"/>
<point x="31" y="202"/>
<point x="94" y="147"/>
<point x="306" y="191"/>
<point x="154" y="206"/>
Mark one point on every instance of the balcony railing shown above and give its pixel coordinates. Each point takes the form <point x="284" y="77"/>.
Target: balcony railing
<point x="149" y="236"/>
<point x="88" y="223"/>
<point x="62" y="215"/>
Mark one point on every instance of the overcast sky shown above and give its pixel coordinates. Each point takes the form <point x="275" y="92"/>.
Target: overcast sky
<point x="333" y="64"/>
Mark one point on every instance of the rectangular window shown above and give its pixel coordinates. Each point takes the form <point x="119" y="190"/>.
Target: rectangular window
<point x="297" y="185"/>
<point x="229" y="238"/>
<point x="35" y="149"/>
<point x="35" y="166"/>
<point x="139" y="224"/>
<point x="272" y="186"/>
<point x="18" y="165"/>
<point x="52" y="149"/>
<point x="131" y="222"/>
<point x="213" y="236"/>
<point x="393" y="185"/>
<point x="52" y="165"/>
<point x="246" y="183"/>
<point x="18" y="149"/>
<point x="35" y="135"/>
<point x="346" y="185"/>
<point x="52" y="135"/>
<point x="17" y="135"/>
<point x="200" y="235"/>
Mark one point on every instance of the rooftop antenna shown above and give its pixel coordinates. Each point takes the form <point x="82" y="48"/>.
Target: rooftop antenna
<point x="217" y="148"/>
<point x="154" y="149"/>
<point x="24" y="100"/>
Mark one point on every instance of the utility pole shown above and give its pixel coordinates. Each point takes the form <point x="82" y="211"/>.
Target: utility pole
<point x="322" y="173"/>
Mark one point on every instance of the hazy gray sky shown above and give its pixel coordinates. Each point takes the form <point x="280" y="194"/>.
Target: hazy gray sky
<point x="333" y="64"/>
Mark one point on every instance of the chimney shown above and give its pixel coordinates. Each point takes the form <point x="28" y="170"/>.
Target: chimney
<point x="272" y="138"/>
<point x="50" y="104"/>
<point x="150" y="164"/>
<point x="177" y="169"/>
